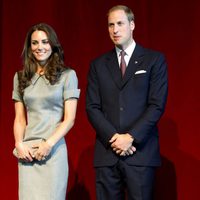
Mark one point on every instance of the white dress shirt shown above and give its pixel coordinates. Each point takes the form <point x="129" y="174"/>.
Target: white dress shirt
<point x="129" y="51"/>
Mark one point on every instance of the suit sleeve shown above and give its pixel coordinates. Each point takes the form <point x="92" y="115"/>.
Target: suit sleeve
<point x="103" y="127"/>
<point x="158" y="89"/>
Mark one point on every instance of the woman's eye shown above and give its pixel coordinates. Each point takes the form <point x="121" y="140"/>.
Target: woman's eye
<point x="34" y="42"/>
<point x="45" y="42"/>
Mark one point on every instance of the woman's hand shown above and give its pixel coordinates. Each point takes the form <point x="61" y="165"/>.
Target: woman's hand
<point x="24" y="152"/>
<point x="43" y="150"/>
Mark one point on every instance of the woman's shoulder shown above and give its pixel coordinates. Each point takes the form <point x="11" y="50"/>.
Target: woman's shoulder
<point x="68" y="71"/>
<point x="17" y="75"/>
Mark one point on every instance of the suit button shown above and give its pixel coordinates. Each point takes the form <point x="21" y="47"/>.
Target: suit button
<point x="121" y="108"/>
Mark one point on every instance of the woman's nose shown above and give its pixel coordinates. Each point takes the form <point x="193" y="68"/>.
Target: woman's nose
<point x="39" y="46"/>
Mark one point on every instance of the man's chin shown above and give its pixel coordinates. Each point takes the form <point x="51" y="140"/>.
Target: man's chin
<point x="118" y="45"/>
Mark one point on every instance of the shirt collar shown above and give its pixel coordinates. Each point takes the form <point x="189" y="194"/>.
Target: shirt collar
<point x="129" y="50"/>
<point x="37" y="76"/>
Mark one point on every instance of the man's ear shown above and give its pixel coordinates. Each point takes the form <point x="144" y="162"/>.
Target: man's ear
<point x="132" y="24"/>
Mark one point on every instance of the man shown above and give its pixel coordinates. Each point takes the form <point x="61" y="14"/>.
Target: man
<point x="124" y="108"/>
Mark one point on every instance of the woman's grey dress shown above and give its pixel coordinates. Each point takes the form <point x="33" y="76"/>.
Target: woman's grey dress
<point x="45" y="180"/>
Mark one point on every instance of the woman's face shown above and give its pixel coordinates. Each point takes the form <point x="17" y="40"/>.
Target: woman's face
<point x="40" y="46"/>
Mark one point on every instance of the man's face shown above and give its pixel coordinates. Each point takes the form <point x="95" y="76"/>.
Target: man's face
<point x="120" y="29"/>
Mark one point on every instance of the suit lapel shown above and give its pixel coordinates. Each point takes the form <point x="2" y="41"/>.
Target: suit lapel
<point x="113" y="67"/>
<point x="135" y="61"/>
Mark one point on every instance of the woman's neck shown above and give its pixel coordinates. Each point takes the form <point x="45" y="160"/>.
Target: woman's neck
<point x="40" y="70"/>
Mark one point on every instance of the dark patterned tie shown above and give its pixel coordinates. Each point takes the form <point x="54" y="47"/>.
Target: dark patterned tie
<point x="123" y="63"/>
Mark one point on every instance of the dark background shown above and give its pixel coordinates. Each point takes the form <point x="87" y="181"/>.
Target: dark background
<point x="172" y="27"/>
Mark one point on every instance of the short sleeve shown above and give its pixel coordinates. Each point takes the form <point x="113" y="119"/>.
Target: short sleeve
<point x="71" y="86"/>
<point x="15" y="94"/>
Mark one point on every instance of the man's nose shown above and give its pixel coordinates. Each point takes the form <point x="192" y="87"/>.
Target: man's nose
<point x="115" y="29"/>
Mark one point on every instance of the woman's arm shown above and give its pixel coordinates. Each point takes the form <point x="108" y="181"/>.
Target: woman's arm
<point x="67" y="123"/>
<point x="23" y="151"/>
<point x="19" y="122"/>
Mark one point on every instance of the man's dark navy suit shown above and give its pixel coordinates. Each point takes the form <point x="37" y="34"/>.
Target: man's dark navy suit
<point x="132" y="105"/>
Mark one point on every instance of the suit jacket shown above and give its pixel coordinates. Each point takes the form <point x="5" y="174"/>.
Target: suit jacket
<point x="133" y="104"/>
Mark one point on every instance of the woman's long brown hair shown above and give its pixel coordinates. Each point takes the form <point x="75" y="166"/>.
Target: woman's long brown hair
<point x="55" y="64"/>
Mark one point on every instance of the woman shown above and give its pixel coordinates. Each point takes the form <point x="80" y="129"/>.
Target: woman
<point x="47" y="91"/>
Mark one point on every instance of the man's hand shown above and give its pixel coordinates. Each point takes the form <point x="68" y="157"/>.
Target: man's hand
<point x="130" y="151"/>
<point x="122" y="144"/>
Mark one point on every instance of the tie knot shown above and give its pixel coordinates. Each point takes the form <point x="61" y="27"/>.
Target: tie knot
<point x="122" y="53"/>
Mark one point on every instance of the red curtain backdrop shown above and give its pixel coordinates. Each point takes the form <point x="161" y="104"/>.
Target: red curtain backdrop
<point x="171" y="27"/>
